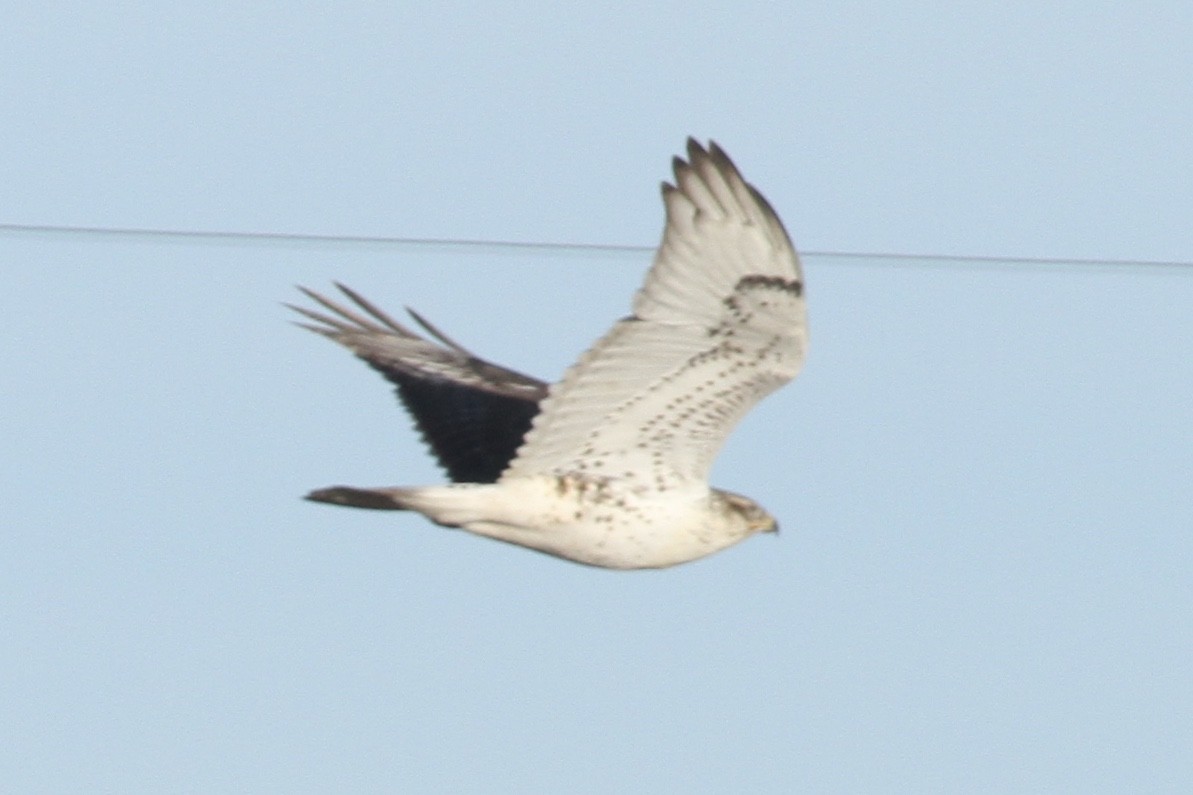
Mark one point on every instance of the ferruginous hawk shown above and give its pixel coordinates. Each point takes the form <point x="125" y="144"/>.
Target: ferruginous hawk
<point x="609" y="466"/>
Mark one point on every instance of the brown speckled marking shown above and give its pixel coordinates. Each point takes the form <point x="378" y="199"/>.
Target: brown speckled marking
<point x="793" y="286"/>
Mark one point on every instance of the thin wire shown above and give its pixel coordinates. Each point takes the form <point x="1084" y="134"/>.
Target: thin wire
<point x="543" y="246"/>
<point x="299" y="237"/>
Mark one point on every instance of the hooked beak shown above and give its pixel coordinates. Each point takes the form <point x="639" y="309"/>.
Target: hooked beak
<point x="769" y="526"/>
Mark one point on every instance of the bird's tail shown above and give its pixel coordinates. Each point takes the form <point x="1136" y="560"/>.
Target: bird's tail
<point x="452" y="505"/>
<point x="391" y="499"/>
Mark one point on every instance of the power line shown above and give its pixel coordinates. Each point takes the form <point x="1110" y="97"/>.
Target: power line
<point x="544" y="246"/>
<point x="299" y="237"/>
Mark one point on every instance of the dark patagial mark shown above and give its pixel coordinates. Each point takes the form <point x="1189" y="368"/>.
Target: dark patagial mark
<point x="793" y="286"/>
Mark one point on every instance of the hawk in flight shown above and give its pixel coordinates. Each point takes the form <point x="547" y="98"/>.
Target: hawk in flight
<point x="609" y="466"/>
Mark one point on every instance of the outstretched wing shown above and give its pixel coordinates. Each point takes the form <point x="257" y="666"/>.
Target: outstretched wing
<point x="719" y="323"/>
<point x="473" y="414"/>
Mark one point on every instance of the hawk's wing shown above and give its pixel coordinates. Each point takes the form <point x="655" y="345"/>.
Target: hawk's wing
<point x="473" y="414"/>
<point x="719" y="323"/>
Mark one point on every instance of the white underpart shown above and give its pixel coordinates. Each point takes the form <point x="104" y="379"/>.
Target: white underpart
<point x="605" y="525"/>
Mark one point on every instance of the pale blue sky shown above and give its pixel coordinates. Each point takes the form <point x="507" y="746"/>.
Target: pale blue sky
<point x="985" y="577"/>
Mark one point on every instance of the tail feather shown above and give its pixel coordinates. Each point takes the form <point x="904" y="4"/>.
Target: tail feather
<point x="376" y="499"/>
<point x="454" y="505"/>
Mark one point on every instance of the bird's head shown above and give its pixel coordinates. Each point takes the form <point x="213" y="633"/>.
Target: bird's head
<point x="747" y="514"/>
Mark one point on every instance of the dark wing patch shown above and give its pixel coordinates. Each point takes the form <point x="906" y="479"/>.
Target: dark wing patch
<point x="474" y="434"/>
<point x="473" y="414"/>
